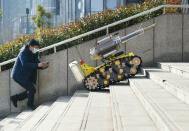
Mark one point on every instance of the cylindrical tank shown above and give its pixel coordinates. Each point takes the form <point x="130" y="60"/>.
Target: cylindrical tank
<point x="76" y="70"/>
<point x="132" y="35"/>
<point x="110" y="45"/>
<point x="105" y="46"/>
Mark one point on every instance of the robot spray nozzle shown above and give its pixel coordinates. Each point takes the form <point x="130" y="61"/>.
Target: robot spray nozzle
<point x="82" y="61"/>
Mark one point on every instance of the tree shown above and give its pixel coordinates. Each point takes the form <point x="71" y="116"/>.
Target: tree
<point x="42" y="18"/>
<point x="1" y="13"/>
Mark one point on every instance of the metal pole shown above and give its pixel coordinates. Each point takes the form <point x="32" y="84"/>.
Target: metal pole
<point x="107" y="31"/>
<point x="164" y="9"/>
<point x="55" y="49"/>
<point x="27" y="23"/>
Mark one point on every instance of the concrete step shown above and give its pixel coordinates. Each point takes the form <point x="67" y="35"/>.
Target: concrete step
<point x="128" y="113"/>
<point x="44" y="117"/>
<point x="58" y="109"/>
<point x="178" y="86"/>
<point x="33" y="119"/>
<point x="98" y="115"/>
<point x="167" y="111"/>
<point x="89" y="112"/>
<point x="7" y="120"/>
<point x="181" y="69"/>
<point x="10" y="126"/>
<point x="72" y="117"/>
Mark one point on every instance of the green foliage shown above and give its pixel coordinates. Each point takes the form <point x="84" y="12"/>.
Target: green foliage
<point x="42" y="18"/>
<point x="49" y="36"/>
<point x="1" y="12"/>
<point x="10" y="50"/>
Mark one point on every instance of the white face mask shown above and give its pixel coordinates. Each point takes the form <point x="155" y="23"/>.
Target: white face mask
<point x="35" y="50"/>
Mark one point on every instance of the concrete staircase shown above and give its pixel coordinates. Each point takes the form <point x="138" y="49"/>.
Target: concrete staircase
<point x="158" y="100"/>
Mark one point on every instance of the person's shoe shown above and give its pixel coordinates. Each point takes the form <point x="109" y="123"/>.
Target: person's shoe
<point x="14" y="101"/>
<point x="31" y="107"/>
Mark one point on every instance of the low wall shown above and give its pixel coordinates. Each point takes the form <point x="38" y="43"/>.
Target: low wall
<point x="168" y="41"/>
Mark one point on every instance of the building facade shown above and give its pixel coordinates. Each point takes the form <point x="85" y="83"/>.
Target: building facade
<point x="15" y="20"/>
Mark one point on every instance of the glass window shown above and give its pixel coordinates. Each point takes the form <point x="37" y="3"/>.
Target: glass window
<point x="87" y="7"/>
<point x="111" y="4"/>
<point x="96" y="6"/>
<point x="1" y="11"/>
<point x="80" y="8"/>
<point x="57" y="7"/>
<point x="0" y="3"/>
<point x="122" y="2"/>
<point x="69" y="10"/>
<point x="133" y="1"/>
<point x="27" y="3"/>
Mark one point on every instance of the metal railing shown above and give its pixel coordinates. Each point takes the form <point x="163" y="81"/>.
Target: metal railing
<point x="184" y="2"/>
<point x="100" y="29"/>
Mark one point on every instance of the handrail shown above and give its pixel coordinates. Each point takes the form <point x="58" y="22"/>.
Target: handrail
<point x="100" y="29"/>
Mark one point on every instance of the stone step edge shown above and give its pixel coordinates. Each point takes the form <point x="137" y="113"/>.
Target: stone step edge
<point x="35" y="111"/>
<point x="174" y="90"/>
<point x="87" y="110"/>
<point x="160" y="118"/>
<point x="30" y="117"/>
<point x="117" y="122"/>
<point x="19" y="120"/>
<point x="169" y="67"/>
<point x="8" y="119"/>
<point x="54" y="128"/>
<point x="50" y="109"/>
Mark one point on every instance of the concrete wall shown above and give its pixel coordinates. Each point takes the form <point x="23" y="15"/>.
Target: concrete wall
<point x="142" y="45"/>
<point x="186" y="38"/>
<point x="168" y="38"/>
<point x="4" y="93"/>
<point x="56" y="82"/>
<point x="168" y="41"/>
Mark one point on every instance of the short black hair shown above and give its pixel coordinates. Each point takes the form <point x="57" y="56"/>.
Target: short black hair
<point x="33" y="42"/>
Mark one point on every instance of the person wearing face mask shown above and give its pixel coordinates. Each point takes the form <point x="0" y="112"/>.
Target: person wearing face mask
<point x="24" y="72"/>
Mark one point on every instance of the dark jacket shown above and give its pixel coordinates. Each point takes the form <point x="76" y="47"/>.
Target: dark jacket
<point x="25" y="67"/>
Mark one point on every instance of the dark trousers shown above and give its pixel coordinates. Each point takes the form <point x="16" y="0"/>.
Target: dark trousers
<point x="29" y="93"/>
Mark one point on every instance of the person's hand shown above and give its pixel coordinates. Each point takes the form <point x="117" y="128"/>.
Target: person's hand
<point x="43" y="65"/>
<point x="40" y="65"/>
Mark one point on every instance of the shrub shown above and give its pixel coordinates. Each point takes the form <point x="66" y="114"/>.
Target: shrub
<point x="50" y="36"/>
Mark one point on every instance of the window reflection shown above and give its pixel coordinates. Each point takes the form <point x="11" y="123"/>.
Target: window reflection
<point x="111" y="4"/>
<point x="57" y="7"/>
<point x="96" y="6"/>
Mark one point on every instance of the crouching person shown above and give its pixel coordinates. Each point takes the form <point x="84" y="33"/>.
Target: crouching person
<point x="24" y="72"/>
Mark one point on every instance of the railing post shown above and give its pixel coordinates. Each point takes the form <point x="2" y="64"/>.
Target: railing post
<point x="54" y="49"/>
<point x="164" y="11"/>
<point x="107" y="31"/>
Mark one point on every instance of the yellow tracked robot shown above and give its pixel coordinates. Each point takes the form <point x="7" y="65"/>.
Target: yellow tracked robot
<point x="117" y="65"/>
